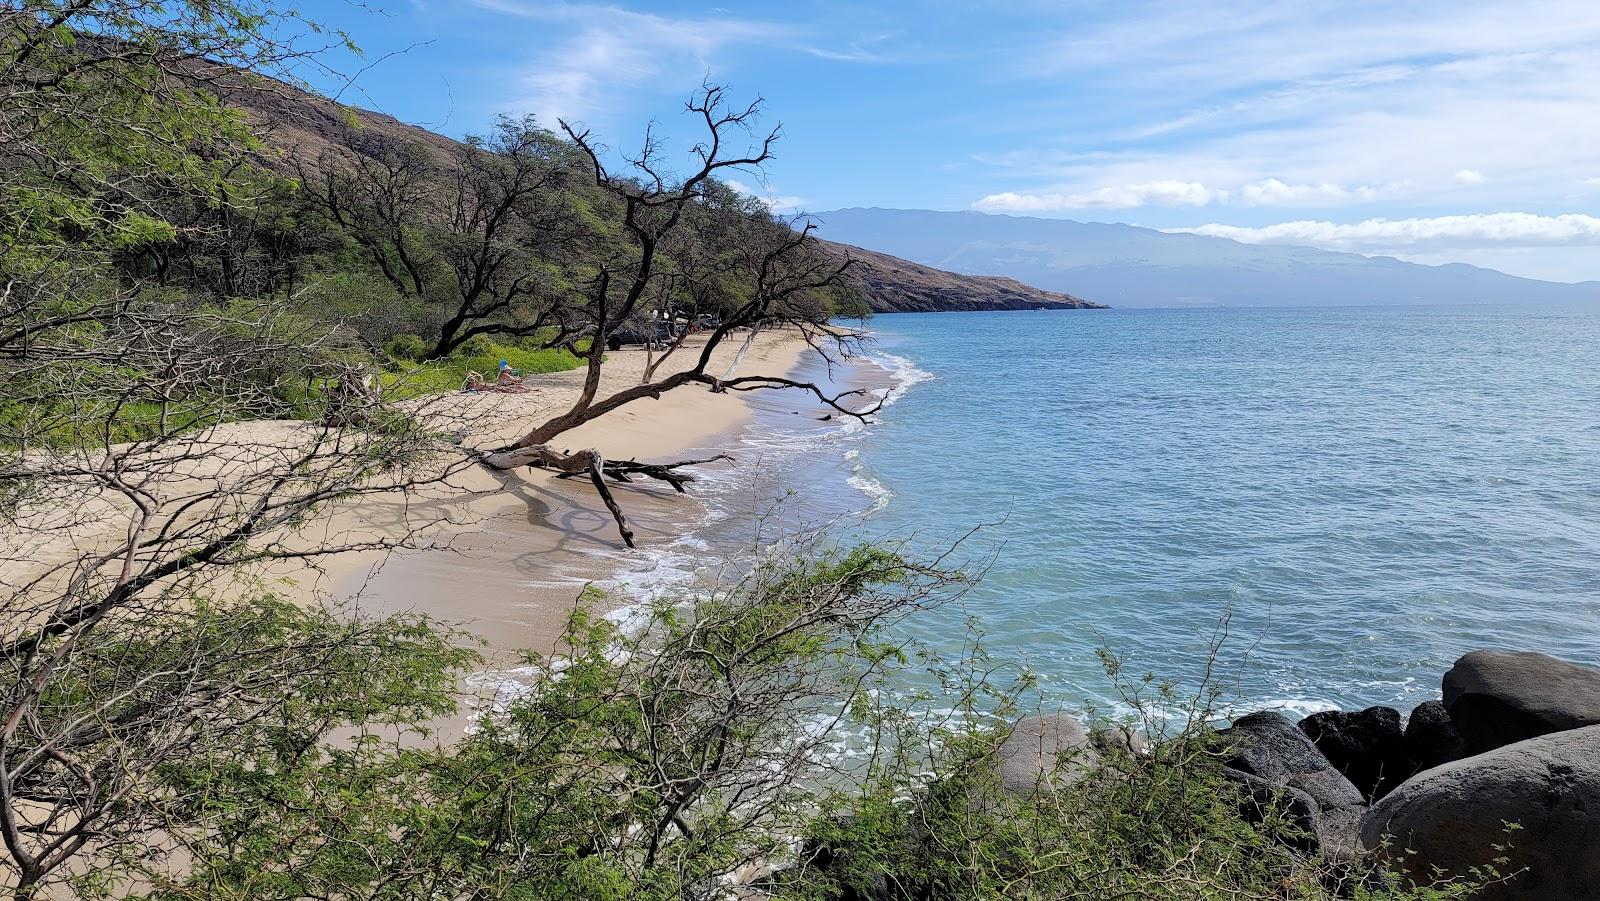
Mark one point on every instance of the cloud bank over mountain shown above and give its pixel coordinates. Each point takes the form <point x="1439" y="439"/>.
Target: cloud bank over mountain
<point x="1128" y="266"/>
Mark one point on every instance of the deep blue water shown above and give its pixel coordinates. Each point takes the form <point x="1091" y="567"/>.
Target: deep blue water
<point x="1370" y="493"/>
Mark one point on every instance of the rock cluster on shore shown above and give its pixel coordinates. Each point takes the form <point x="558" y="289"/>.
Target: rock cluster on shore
<point x="1516" y="739"/>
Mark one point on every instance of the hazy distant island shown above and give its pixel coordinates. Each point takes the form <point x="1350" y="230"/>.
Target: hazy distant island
<point x="1129" y="266"/>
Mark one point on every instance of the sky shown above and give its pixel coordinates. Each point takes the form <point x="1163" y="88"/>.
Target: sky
<point x="1437" y="132"/>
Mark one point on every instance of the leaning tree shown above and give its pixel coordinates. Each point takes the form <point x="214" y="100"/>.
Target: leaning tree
<point x="471" y="235"/>
<point x="777" y="261"/>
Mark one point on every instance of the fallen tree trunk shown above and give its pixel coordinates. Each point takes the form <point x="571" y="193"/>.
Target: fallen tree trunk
<point x="597" y="468"/>
<point x="620" y="470"/>
<point x="584" y="462"/>
<point x="534" y="449"/>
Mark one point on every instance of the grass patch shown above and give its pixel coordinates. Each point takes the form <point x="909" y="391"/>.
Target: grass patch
<point x="93" y="419"/>
<point x="450" y="373"/>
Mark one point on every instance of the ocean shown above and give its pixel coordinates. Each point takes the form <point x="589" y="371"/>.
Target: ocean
<point x="1361" y="495"/>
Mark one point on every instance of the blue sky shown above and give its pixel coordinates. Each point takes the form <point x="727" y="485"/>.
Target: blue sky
<point x="1434" y="131"/>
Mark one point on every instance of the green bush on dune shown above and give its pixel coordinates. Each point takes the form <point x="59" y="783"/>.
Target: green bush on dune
<point x="478" y="355"/>
<point x="691" y="755"/>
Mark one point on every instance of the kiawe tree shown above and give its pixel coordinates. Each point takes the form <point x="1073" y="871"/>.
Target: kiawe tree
<point x="704" y="273"/>
<point x="476" y="239"/>
<point x="136" y="641"/>
<point x="774" y="261"/>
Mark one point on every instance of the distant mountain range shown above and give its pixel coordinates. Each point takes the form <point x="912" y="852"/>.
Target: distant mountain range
<point x="1129" y="266"/>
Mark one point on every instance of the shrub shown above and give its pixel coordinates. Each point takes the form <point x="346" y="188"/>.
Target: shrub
<point x="448" y="374"/>
<point x="476" y="346"/>
<point x="407" y="347"/>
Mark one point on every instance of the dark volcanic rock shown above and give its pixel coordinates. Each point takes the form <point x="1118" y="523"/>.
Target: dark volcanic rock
<point x="1499" y="697"/>
<point x="1431" y="738"/>
<point x="1453" y="815"/>
<point x="1369" y="747"/>
<point x="1031" y="756"/>
<point x="1267" y="745"/>
<point x="1260" y="799"/>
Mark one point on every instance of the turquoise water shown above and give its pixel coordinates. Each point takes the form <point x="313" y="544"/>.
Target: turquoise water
<point x="1367" y="494"/>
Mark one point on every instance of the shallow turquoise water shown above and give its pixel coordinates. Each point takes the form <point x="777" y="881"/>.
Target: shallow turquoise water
<point x="1368" y="493"/>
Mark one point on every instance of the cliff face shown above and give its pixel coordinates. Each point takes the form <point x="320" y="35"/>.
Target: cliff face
<point x="296" y="123"/>
<point x="893" y="285"/>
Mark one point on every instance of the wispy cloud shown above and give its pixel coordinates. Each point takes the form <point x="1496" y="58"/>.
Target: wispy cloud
<point x="1379" y="235"/>
<point x="1159" y="193"/>
<point x="778" y="203"/>
<point x="1177" y="193"/>
<point x="605" y="53"/>
<point x="1295" y="97"/>
<point x="608" y="51"/>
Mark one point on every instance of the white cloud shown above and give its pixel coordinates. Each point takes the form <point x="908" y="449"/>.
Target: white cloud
<point x="1159" y="193"/>
<point x="1319" y="93"/>
<point x="611" y="51"/>
<point x="1379" y="235"/>
<point x="1174" y="193"/>
<point x="1273" y="192"/>
<point x="778" y="203"/>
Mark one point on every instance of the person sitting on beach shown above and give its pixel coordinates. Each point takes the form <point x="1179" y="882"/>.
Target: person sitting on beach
<point x="507" y="380"/>
<point x="477" y="384"/>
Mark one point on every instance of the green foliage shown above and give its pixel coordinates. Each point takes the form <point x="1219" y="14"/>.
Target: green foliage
<point x="102" y="118"/>
<point x="649" y="762"/>
<point x="1163" y="826"/>
<point x="848" y="301"/>
<point x="236" y="711"/>
<point x="407" y="347"/>
<point x="450" y="373"/>
<point x="243" y="747"/>
<point x="1158" y="824"/>
<point x="624" y="773"/>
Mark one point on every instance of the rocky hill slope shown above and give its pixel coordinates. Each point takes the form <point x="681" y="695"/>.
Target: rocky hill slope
<point x="893" y="285"/>
<point x="294" y="122"/>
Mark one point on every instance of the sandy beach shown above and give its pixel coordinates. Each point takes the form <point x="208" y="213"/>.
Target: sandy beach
<point x="520" y="546"/>
<point x="501" y="555"/>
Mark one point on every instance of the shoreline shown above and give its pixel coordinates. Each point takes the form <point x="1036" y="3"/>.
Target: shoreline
<point x="511" y="560"/>
<point x="514" y="572"/>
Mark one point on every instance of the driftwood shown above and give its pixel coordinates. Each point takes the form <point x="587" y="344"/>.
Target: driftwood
<point x="591" y="464"/>
<point x="620" y="470"/>
<point x="352" y="398"/>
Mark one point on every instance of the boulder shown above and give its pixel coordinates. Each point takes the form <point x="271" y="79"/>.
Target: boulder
<point x="1116" y="738"/>
<point x="1431" y="738"/>
<point x="1260" y="799"/>
<point x="1031" y="756"/>
<point x="1453" y="815"/>
<point x="1268" y="746"/>
<point x="1496" y="698"/>
<point x="1368" y="747"/>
